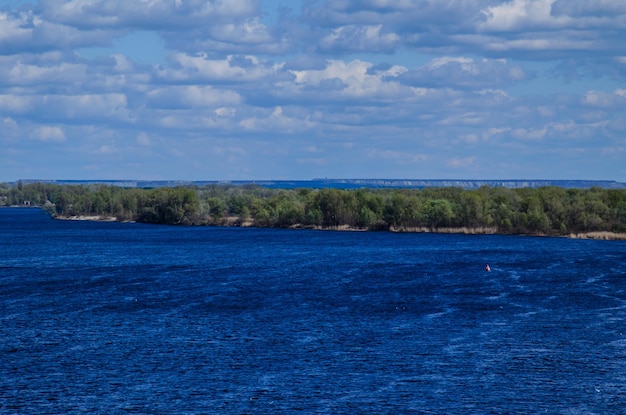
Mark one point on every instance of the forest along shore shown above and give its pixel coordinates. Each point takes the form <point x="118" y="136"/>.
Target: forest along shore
<point x="235" y="222"/>
<point x="597" y="213"/>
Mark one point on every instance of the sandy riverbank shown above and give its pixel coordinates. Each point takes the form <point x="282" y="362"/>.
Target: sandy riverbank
<point x="481" y="230"/>
<point x="607" y="236"/>
<point x="90" y="218"/>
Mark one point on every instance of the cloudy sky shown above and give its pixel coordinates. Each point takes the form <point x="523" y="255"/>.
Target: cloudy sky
<point x="302" y="89"/>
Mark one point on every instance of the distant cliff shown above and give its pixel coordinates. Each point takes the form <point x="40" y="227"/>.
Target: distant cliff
<point x="351" y="183"/>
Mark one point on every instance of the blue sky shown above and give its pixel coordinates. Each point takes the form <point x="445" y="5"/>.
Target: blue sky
<point x="258" y="89"/>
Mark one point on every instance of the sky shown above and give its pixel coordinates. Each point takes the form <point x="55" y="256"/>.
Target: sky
<point x="304" y="89"/>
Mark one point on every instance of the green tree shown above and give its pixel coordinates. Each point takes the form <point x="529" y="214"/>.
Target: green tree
<point x="439" y="212"/>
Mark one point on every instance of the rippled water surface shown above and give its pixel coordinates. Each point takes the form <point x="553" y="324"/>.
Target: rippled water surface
<point x="130" y="318"/>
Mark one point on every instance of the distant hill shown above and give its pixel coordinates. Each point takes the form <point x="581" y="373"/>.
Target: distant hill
<point x="352" y="183"/>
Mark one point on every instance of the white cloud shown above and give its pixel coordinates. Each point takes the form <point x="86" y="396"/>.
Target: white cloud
<point x="49" y="133"/>
<point x="520" y="14"/>
<point x="605" y="99"/>
<point x="589" y="8"/>
<point x="144" y="13"/>
<point x="13" y="28"/>
<point x="397" y="5"/>
<point x="14" y="103"/>
<point x="144" y="140"/>
<point x="367" y="38"/>
<point x="232" y="68"/>
<point x="191" y="96"/>
<point x="466" y="64"/>
<point x="250" y="31"/>
<point x="27" y="31"/>
<point x="9" y="122"/>
<point x="106" y="150"/>
<point x="63" y="73"/>
<point x="352" y="79"/>
<point x="90" y="106"/>
<point x="225" y="112"/>
<point x="10" y="129"/>
<point x="457" y="163"/>
<point x="464" y="72"/>
<point x="529" y="134"/>
<point x="122" y="63"/>
<point x="68" y="108"/>
<point x="278" y="122"/>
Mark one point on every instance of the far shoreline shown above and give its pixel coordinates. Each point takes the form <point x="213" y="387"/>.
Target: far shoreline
<point x="236" y="222"/>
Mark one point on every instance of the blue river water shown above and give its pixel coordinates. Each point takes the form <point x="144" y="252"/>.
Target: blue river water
<point x="130" y="318"/>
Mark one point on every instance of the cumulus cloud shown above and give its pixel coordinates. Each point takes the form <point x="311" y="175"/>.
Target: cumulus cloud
<point x="14" y="29"/>
<point x="21" y="73"/>
<point x="589" y="9"/>
<point x="605" y="99"/>
<point x="191" y="96"/>
<point x="529" y="134"/>
<point x="25" y="32"/>
<point x="82" y="108"/>
<point x="10" y="129"/>
<point x="277" y="121"/>
<point x="106" y="150"/>
<point x="14" y="104"/>
<point x="146" y="13"/>
<point x="367" y="38"/>
<point x="230" y="69"/>
<point x="350" y="80"/>
<point x="466" y="72"/>
<point x="48" y="133"/>
<point x="518" y="15"/>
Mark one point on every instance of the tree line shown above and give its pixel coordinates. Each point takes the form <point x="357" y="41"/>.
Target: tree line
<point x="546" y="210"/>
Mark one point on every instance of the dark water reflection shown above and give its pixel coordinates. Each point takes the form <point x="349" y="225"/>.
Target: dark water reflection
<point x="126" y="318"/>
